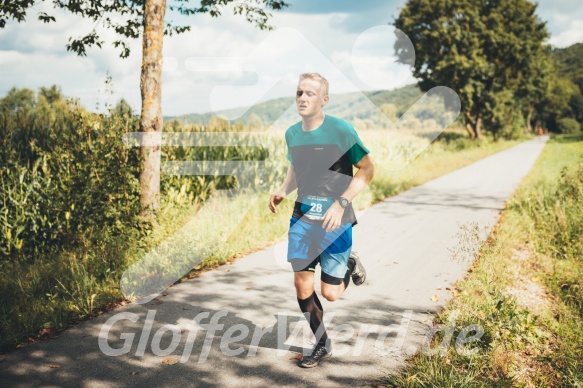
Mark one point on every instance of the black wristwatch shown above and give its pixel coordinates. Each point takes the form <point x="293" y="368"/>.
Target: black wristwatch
<point x="343" y="202"/>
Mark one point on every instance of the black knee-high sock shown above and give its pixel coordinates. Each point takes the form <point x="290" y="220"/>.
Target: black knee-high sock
<point x="314" y="313"/>
<point x="349" y="269"/>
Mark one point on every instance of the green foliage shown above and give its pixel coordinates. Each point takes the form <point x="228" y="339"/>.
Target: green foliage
<point x="68" y="209"/>
<point x="481" y="50"/>
<point x="63" y="172"/>
<point x="553" y="207"/>
<point x="501" y="118"/>
<point x="534" y="87"/>
<point x="568" y="125"/>
<point x="505" y="326"/>
<point x="514" y="128"/>
<point x="565" y="96"/>
<point x="556" y="104"/>
<point x="186" y="189"/>
<point x="576" y="105"/>
<point x="557" y="213"/>
<point x="511" y="325"/>
<point x="568" y="62"/>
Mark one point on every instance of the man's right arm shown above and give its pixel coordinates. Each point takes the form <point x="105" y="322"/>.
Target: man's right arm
<point x="288" y="186"/>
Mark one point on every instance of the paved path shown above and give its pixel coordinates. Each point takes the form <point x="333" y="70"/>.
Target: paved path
<point x="404" y="242"/>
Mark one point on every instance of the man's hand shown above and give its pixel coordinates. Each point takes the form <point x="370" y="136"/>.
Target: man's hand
<point x="288" y="186"/>
<point x="333" y="217"/>
<point x="275" y="200"/>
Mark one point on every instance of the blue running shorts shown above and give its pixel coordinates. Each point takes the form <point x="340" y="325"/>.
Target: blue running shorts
<point x="309" y="243"/>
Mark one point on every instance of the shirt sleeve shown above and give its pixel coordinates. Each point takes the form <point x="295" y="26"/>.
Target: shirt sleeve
<point x="354" y="146"/>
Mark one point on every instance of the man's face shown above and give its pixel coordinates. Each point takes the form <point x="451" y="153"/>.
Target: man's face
<point x="310" y="98"/>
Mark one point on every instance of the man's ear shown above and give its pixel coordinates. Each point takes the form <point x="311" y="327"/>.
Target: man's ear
<point x="326" y="99"/>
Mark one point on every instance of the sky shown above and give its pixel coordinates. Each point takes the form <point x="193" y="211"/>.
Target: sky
<point x="226" y="62"/>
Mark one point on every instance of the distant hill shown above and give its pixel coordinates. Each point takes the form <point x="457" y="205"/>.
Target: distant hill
<point x="349" y="106"/>
<point x="362" y="109"/>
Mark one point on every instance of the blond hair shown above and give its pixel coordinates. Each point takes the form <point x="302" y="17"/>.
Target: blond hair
<point x="316" y="77"/>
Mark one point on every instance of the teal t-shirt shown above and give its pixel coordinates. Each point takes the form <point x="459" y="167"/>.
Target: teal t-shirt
<point x="323" y="160"/>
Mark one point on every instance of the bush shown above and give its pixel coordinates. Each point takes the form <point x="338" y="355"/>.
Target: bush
<point x="514" y="130"/>
<point x="568" y="125"/>
<point x="63" y="172"/>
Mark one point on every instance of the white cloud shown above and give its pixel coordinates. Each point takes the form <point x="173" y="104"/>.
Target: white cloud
<point x="276" y="60"/>
<point x="43" y="59"/>
<point x="374" y="61"/>
<point x="573" y="34"/>
<point x="33" y="54"/>
<point x="564" y="18"/>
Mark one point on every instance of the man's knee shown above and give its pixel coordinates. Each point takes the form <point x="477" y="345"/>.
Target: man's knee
<point x="304" y="286"/>
<point x="331" y="293"/>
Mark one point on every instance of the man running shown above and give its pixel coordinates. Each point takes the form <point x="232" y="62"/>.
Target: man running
<point x="322" y="150"/>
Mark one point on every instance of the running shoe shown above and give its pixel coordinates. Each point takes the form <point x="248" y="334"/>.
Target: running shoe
<point x="358" y="272"/>
<point x="313" y="359"/>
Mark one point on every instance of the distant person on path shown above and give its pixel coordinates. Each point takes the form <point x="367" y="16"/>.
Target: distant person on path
<point x="540" y="132"/>
<point x="322" y="150"/>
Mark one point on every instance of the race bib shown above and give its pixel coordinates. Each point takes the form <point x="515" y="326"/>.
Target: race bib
<point x="315" y="207"/>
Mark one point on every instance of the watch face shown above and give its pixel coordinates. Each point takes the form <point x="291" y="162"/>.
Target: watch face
<point x="343" y="202"/>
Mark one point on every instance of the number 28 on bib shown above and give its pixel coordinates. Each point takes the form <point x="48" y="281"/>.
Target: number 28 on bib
<point x="315" y="207"/>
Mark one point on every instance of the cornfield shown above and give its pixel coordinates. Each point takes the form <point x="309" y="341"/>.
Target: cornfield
<point x="261" y="168"/>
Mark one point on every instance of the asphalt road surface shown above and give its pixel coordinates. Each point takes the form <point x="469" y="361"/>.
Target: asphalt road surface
<point x="240" y="325"/>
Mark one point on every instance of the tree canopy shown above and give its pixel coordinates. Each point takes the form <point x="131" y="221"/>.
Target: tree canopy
<point x="488" y="51"/>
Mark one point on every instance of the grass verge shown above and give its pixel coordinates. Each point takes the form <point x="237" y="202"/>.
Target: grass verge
<point x="524" y="289"/>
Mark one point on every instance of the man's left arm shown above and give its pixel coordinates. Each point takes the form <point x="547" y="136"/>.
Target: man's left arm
<point x="365" y="173"/>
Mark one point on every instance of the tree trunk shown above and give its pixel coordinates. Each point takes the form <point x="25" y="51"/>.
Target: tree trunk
<point x="151" y="115"/>
<point x="528" y="118"/>
<point x="470" y="131"/>
<point x="478" y="128"/>
<point x="469" y="125"/>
